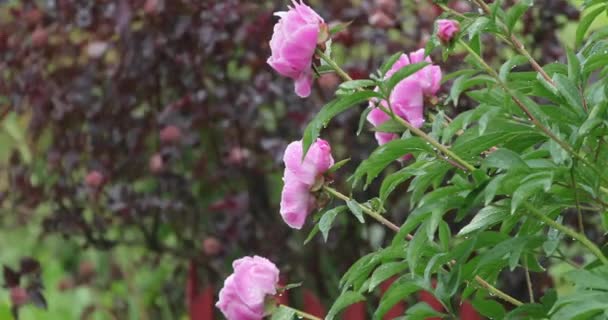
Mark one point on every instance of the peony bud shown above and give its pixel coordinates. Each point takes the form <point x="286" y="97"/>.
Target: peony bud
<point x="447" y="29"/>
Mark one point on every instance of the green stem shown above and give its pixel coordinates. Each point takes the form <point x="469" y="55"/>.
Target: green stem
<point x="575" y="235"/>
<point x="301" y="314"/>
<point x="334" y="65"/>
<point x="395" y="228"/>
<point x="376" y="215"/>
<point x="497" y="292"/>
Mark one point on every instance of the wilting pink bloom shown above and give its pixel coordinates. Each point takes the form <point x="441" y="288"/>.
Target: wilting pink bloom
<point x="300" y="176"/>
<point x="407" y="97"/>
<point x="246" y="289"/>
<point x="293" y="45"/>
<point x="447" y="29"/>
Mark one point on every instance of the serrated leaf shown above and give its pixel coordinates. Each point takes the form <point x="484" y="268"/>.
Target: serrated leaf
<point x="329" y="111"/>
<point x="344" y="300"/>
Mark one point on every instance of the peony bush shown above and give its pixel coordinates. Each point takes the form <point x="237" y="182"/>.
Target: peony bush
<point x="510" y="172"/>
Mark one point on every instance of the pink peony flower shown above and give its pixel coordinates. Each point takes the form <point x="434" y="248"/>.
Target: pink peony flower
<point x="293" y="45"/>
<point x="300" y="176"/>
<point x="447" y="29"/>
<point x="245" y="290"/>
<point x="407" y="97"/>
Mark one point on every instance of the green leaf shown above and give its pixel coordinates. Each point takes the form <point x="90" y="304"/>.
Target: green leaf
<point x="585" y="279"/>
<point x="312" y="234"/>
<point x="356" y="210"/>
<point x="485" y="218"/>
<point x="398" y="291"/>
<point x="574" y="67"/>
<point x="390" y="126"/>
<point x="283" y="313"/>
<point x="504" y="159"/>
<point x="585" y="23"/>
<point x="395" y="179"/>
<point x="363" y="119"/>
<point x="596" y="117"/>
<point x="327" y="219"/>
<point x="339" y="27"/>
<point x="479" y="25"/>
<point x="403" y="73"/>
<point x="388" y="64"/>
<point x="506" y="68"/>
<point x="330" y="110"/>
<point x="515" y="12"/>
<point x="338" y="165"/>
<point x="384" y="272"/>
<point x="421" y="311"/>
<point x="530" y="185"/>
<point x="489" y="308"/>
<point x="356" y="84"/>
<point x="569" y="91"/>
<point x="387" y="153"/>
<point x="344" y="300"/>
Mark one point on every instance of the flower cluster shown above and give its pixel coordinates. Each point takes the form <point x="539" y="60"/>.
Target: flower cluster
<point x="293" y="44"/>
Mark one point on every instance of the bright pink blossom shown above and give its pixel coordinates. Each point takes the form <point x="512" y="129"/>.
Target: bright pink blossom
<point x="293" y="45"/>
<point x="245" y="290"/>
<point x="407" y="97"/>
<point x="447" y="29"/>
<point x="300" y="176"/>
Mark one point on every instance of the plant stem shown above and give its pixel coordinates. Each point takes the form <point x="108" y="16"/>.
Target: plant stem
<point x="497" y="292"/>
<point x="334" y="65"/>
<point x="395" y="228"/>
<point x="528" y="280"/>
<point x="377" y="216"/>
<point x="302" y="314"/>
<point x="575" y="235"/>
